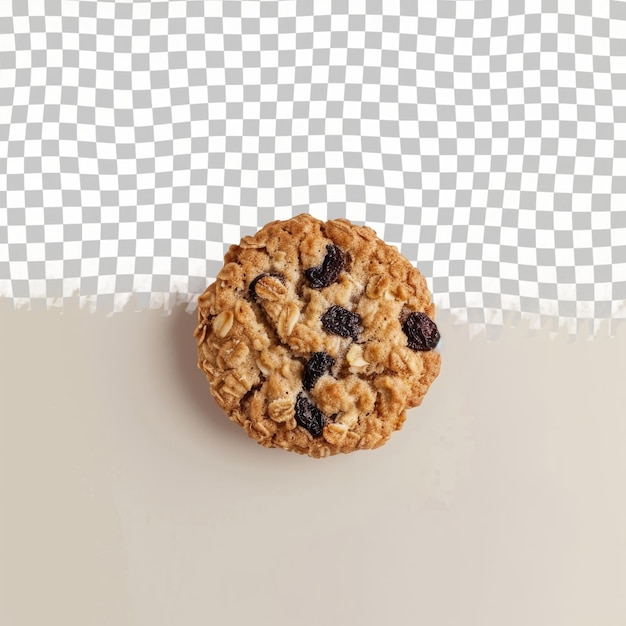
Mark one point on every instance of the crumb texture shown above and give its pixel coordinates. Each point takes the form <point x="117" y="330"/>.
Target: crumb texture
<point x="316" y="337"/>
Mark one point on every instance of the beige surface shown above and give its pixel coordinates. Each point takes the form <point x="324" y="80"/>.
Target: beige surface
<point x="127" y="498"/>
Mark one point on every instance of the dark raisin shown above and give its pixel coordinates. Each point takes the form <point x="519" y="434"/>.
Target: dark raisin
<point x="309" y="416"/>
<point x="421" y="331"/>
<point x="252" y="286"/>
<point x="316" y="367"/>
<point x="328" y="272"/>
<point x="342" y="322"/>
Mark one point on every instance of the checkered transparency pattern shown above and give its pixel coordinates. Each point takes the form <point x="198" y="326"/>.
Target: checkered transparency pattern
<point x="487" y="140"/>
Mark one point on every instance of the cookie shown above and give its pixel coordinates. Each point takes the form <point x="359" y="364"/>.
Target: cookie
<point x="316" y="337"/>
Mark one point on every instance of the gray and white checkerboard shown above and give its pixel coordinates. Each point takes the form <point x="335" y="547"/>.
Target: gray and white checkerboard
<point x="486" y="139"/>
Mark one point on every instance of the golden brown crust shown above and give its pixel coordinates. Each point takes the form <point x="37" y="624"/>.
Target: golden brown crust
<point x="253" y="347"/>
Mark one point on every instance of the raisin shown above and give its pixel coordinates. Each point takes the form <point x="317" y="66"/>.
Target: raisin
<point x="328" y="272"/>
<point x="316" y="367"/>
<point x="271" y="290"/>
<point x="342" y="322"/>
<point x="309" y="416"/>
<point x="252" y="286"/>
<point x="421" y="331"/>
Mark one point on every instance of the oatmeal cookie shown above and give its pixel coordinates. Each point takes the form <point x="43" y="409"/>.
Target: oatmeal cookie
<point x="317" y="336"/>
